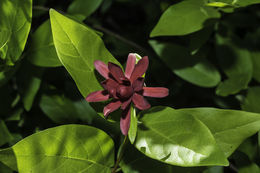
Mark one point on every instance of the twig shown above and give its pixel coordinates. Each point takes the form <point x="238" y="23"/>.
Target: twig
<point x="37" y="7"/>
<point x="119" y="37"/>
<point x="120" y="155"/>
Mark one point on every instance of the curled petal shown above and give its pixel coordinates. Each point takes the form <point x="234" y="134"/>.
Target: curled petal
<point x="97" y="96"/>
<point x="158" y="92"/>
<point x="138" y="84"/>
<point x="116" y="72"/>
<point x="111" y="107"/>
<point x="110" y="85"/>
<point x="130" y="65"/>
<point x="102" y="68"/>
<point x="125" y="120"/>
<point x="140" y="102"/>
<point x="140" y="69"/>
<point x="126" y="103"/>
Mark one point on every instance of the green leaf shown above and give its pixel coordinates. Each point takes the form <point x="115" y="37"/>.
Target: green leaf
<point x="15" y="23"/>
<point x="133" y="125"/>
<point x="251" y="102"/>
<point x="215" y="169"/>
<point x="136" y="162"/>
<point x="195" y="136"/>
<point x="196" y="70"/>
<point x="5" y="169"/>
<point x="218" y="4"/>
<point x="28" y="83"/>
<point x="84" y="7"/>
<point x="69" y="148"/>
<point x="78" y="47"/>
<point x="42" y="51"/>
<point x="62" y="110"/>
<point x="244" y="164"/>
<point x="236" y="63"/>
<point x="244" y="3"/>
<point x="184" y="18"/>
<point x="5" y="135"/>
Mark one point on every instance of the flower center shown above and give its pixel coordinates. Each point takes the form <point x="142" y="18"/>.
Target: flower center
<point x="124" y="91"/>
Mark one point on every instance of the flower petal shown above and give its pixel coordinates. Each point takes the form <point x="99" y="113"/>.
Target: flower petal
<point x="125" y="120"/>
<point x="140" y="102"/>
<point x="111" y="107"/>
<point x="97" y="96"/>
<point x="140" y="69"/>
<point x="126" y="103"/>
<point x="102" y="68"/>
<point x="138" y="84"/>
<point x="110" y="85"/>
<point x="155" y="92"/>
<point x="130" y="65"/>
<point x="116" y="72"/>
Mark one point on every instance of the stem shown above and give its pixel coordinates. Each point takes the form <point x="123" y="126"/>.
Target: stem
<point x="119" y="37"/>
<point x="120" y="154"/>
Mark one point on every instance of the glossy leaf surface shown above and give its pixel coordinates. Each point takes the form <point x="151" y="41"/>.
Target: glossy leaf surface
<point x="78" y="47"/>
<point x="69" y="148"/>
<point x="15" y="25"/>
<point x="194" y="137"/>
<point x="184" y="18"/>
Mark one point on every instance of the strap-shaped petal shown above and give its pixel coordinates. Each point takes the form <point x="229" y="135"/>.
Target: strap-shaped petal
<point x="98" y="96"/>
<point x="125" y="120"/>
<point x="130" y="65"/>
<point x="126" y="103"/>
<point x="140" y="102"/>
<point x="138" y="84"/>
<point x="111" y="107"/>
<point x="140" y="69"/>
<point x="116" y="72"/>
<point x="158" y="92"/>
<point x="102" y="68"/>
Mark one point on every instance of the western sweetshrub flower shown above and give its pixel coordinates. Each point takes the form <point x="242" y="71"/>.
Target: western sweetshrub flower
<point x="125" y="88"/>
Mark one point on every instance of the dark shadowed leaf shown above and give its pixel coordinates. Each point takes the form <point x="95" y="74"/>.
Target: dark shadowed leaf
<point x="235" y="61"/>
<point x="84" y="7"/>
<point x="42" y="51"/>
<point x="252" y="100"/>
<point x="28" y="83"/>
<point x="69" y="148"/>
<point x="5" y="135"/>
<point x="63" y="110"/>
<point x="196" y="70"/>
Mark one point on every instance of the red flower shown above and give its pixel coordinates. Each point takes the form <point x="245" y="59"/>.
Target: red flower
<point x="125" y="88"/>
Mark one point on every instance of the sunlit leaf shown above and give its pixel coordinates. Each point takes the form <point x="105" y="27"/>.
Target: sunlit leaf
<point x="78" y="47"/>
<point x="184" y="18"/>
<point x="15" y="25"/>
<point x="69" y="148"/>
<point x="195" y="136"/>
